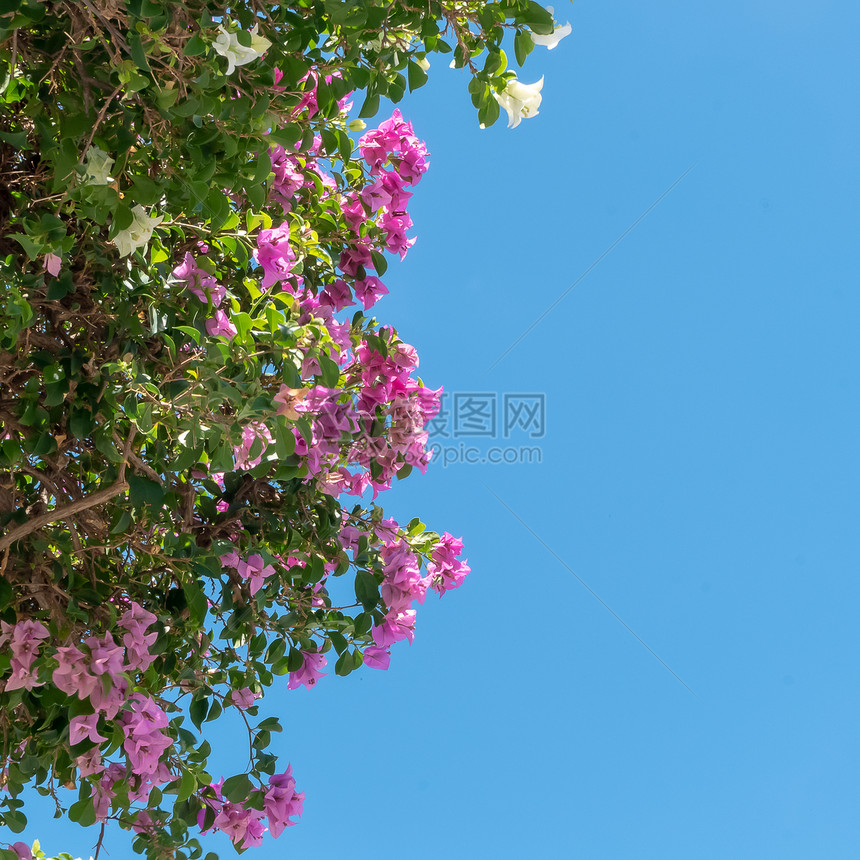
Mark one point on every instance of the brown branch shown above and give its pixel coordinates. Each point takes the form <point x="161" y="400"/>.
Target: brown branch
<point x="69" y="510"/>
<point x="100" y="118"/>
<point x="63" y="512"/>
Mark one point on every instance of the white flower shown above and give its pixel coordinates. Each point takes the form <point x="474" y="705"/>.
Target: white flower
<point x="227" y="45"/>
<point x="138" y="234"/>
<point x="520" y="100"/>
<point x="423" y="64"/>
<point x="98" y="167"/>
<point x="551" y="39"/>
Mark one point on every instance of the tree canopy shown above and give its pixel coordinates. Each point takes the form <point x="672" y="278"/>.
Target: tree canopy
<point x="197" y="410"/>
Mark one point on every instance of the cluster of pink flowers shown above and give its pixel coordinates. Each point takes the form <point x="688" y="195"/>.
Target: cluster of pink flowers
<point x="204" y="286"/>
<point x="255" y="570"/>
<point x="394" y="143"/>
<point x="446" y="571"/>
<point x="276" y="255"/>
<point x="100" y="674"/>
<point x="295" y="171"/>
<point x="403" y="583"/>
<point x="242" y="823"/>
<point x="23" y="639"/>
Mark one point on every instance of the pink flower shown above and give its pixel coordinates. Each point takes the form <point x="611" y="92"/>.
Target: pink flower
<point x="369" y="290"/>
<point x="395" y="627"/>
<point x="254" y="571"/>
<point x="446" y="571"/>
<point x="52" y="263"/>
<point x="106" y="656"/>
<point x="220" y="326"/>
<point x="242" y="699"/>
<point x="198" y="281"/>
<point x="144" y="741"/>
<point x="72" y="675"/>
<point x="275" y="254"/>
<point x="109" y="702"/>
<point x="376" y="657"/>
<point x="81" y="728"/>
<point x="282" y="801"/>
<point x="22" y="849"/>
<point x="231" y="559"/>
<point x="310" y="670"/>
<point x="241" y="825"/>
<point x="90" y="762"/>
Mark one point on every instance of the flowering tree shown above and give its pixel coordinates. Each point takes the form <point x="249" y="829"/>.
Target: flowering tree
<point x="196" y="411"/>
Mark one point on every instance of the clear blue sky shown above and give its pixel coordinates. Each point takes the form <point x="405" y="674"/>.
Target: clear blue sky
<point x="699" y="472"/>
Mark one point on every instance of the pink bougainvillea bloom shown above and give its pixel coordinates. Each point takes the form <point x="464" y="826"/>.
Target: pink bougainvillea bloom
<point x="243" y="699"/>
<point x="241" y="825"/>
<point x="90" y="762"/>
<point x="72" y="675"/>
<point x="22" y="679"/>
<point x="106" y="656"/>
<point x="255" y="572"/>
<point x="144" y="741"/>
<point x="309" y="672"/>
<point x="376" y="657"/>
<point x="255" y="437"/>
<point x="394" y="628"/>
<point x="446" y="571"/>
<point x="81" y="728"/>
<point x="198" y="281"/>
<point x="282" y="801"/>
<point x="102" y="792"/>
<point x="52" y="263"/>
<point x="220" y="326"/>
<point x="109" y="702"/>
<point x="231" y="559"/>
<point x="22" y="849"/>
<point x="275" y="254"/>
<point x="369" y="290"/>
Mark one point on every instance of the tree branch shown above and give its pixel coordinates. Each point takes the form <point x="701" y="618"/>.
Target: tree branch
<point x="63" y="512"/>
<point x="69" y="510"/>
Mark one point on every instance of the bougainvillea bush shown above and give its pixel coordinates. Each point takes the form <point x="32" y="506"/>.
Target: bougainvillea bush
<point x="198" y="410"/>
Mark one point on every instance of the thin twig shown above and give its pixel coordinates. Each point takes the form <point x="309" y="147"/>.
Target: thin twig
<point x="100" y="118"/>
<point x="98" y="845"/>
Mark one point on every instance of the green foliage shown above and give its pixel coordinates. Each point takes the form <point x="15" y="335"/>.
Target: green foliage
<point x="133" y="134"/>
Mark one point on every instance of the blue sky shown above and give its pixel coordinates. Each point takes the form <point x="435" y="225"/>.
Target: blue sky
<point x="699" y="468"/>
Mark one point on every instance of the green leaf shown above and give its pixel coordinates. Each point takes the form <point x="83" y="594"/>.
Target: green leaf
<point x="538" y="19"/>
<point x="16" y="821"/>
<point x="366" y="589"/>
<point x="187" y="786"/>
<point x="330" y="371"/>
<point x="194" y="46"/>
<point x="7" y="594"/>
<point x="16" y="138"/>
<point x="417" y="76"/>
<point x="523" y="45"/>
<point x="198" y="710"/>
<point x="137" y="52"/>
<point x="237" y="788"/>
<point x="345" y="664"/>
<point x="379" y="262"/>
<point x="488" y="113"/>
<point x="143" y="491"/>
<point x="369" y="108"/>
<point x="197" y="603"/>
